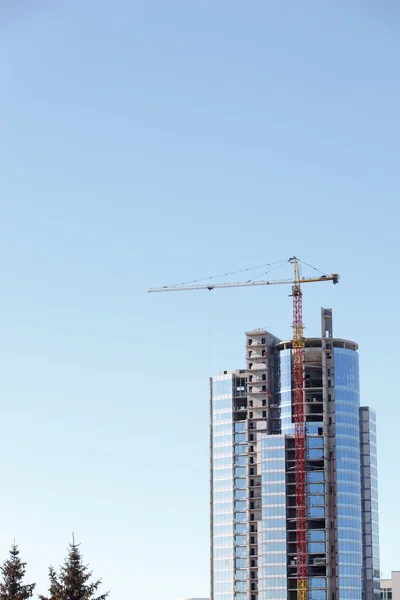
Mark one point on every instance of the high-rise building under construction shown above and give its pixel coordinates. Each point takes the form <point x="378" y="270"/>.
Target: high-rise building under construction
<point x="258" y="532"/>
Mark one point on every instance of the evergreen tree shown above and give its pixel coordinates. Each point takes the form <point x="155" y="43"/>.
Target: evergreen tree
<point x="13" y="572"/>
<point x="72" y="581"/>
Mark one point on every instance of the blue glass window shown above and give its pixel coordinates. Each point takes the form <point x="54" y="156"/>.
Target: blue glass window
<point x="240" y="482"/>
<point x="221" y="388"/>
<point x="317" y="582"/>
<point x="241" y="563"/>
<point x="240" y="426"/>
<point x="315" y="476"/>
<point x="240" y="517"/>
<point x="240" y="494"/>
<point x="241" y="586"/>
<point x="316" y="511"/>
<point x="240" y="540"/>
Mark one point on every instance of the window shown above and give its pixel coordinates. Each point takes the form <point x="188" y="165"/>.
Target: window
<point x="250" y="365"/>
<point x="264" y="377"/>
<point x="263" y="340"/>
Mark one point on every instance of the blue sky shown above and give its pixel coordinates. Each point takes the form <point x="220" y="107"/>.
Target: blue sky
<point x="147" y="143"/>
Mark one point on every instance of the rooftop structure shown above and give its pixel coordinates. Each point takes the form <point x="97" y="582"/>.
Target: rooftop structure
<point x="390" y="588"/>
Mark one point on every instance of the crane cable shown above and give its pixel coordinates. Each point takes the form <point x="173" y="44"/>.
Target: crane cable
<point x="277" y="264"/>
<point x="269" y="271"/>
<point x="226" y="274"/>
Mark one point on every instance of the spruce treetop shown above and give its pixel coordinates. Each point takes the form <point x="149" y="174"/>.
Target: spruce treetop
<point x="13" y="572"/>
<point x="72" y="582"/>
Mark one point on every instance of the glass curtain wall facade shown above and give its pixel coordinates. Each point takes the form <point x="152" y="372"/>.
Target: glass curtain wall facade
<point x="274" y="557"/>
<point x="348" y="474"/>
<point x="253" y="478"/>
<point x="222" y="437"/>
<point x="369" y="488"/>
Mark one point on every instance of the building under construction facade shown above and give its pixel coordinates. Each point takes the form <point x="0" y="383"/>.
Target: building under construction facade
<point x="293" y="516"/>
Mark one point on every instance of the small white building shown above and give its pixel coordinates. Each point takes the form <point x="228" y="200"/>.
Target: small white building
<point x="390" y="588"/>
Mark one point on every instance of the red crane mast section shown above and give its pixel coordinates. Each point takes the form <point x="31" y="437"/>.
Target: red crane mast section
<point x="299" y="435"/>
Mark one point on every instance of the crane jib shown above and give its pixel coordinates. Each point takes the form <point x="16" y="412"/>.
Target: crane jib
<point x="186" y="288"/>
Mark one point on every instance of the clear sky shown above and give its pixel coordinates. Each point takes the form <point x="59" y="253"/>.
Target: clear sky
<point x="148" y="143"/>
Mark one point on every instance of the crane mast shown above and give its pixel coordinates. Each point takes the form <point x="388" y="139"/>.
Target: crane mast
<point x="298" y="345"/>
<point x="299" y="435"/>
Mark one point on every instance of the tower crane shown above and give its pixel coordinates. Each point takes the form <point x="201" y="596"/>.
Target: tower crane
<point x="298" y="344"/>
